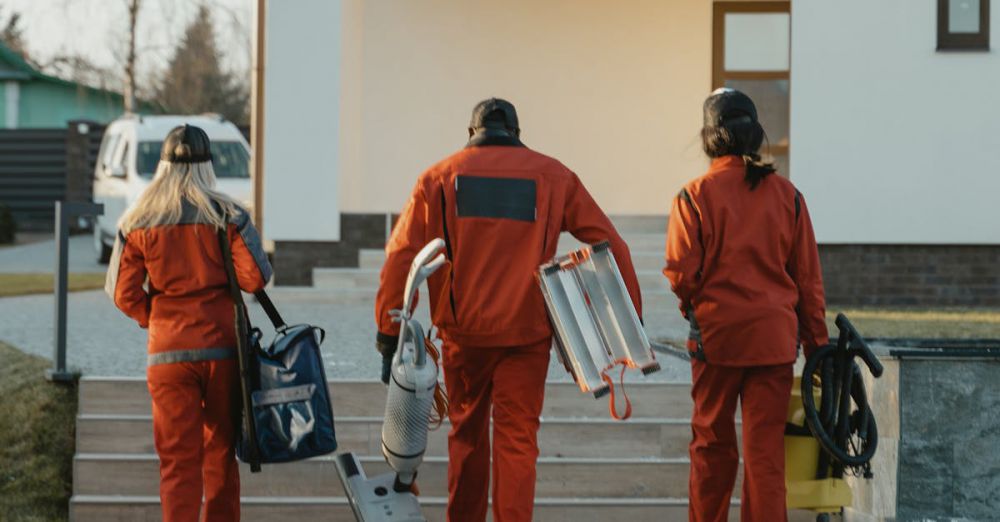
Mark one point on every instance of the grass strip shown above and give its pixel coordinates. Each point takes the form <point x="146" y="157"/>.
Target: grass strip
<point x="29" y="284"/>
<point x="954" y="323"/>
<point x="37" y="434"/>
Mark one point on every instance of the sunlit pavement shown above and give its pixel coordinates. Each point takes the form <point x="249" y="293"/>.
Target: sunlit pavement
<point x="102" y="341"/>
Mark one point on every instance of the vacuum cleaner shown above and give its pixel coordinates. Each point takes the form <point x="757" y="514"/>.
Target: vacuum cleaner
<point x="391" y="497"/>
<point x="830" y="431"/>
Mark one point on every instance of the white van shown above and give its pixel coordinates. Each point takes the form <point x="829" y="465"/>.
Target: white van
<point x="129" y="154"/>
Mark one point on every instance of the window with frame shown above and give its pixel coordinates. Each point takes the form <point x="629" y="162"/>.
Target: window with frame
<point x="963" y="25"/>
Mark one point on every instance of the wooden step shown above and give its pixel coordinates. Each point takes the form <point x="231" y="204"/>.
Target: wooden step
<point x="366" y="398"/>
<point x="124" y="474"/>
<point x="558" y="437"/>
<point x="85" y="508"/>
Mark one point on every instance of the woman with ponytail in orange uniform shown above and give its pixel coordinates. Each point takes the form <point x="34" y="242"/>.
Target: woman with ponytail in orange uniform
<point x="742" y="258"/>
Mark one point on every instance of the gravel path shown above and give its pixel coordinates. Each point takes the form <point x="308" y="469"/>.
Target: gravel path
<point x="41" y="256"/>
<point x="102" y="341"/>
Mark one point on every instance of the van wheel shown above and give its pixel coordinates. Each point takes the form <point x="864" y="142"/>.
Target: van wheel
<point x="103" y="251"/>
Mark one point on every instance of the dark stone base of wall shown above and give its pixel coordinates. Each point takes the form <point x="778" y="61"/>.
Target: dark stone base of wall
<point x="911" y="275"/>
<point x="295" y="260"/>
<point x="948" y="456"/>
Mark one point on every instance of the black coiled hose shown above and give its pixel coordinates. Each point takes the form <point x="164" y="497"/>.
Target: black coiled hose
<point x="843" y="423"/>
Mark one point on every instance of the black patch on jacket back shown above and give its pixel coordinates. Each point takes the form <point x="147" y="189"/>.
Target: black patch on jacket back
<point x="501" y="198"/>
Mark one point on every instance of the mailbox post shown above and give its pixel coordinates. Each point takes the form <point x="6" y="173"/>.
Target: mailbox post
<point x="66" y="212"/>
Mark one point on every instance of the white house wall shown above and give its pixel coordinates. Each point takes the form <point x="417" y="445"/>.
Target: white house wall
<point x="891" y="141"/>
<point x="613" y="89"/>
<point x="302" y="120"/>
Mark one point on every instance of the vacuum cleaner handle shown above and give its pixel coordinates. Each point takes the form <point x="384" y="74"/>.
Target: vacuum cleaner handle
<point x="858" y="344"/>
<point x="412" y="331"/>
<point x="424" y="264"/>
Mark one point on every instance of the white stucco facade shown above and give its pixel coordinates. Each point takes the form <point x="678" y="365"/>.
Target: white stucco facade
<point x="892" y="141"/>
<point x="302" y="113"/>
<point x="612" y="89"/>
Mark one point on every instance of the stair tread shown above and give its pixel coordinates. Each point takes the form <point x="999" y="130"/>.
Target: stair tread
<point x="588" y="501"/>
<point x="378" y="419"/>
<point x="428" y="458"/>
<point x="568" y="384"/>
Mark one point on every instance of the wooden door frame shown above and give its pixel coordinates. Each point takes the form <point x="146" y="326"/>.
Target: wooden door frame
<point x="719" y="74"/>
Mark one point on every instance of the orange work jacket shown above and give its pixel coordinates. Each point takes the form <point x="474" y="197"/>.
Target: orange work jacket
<point x="500" y="208"/>
<point x="745" y="266"/>
<point x="171" y="280"/>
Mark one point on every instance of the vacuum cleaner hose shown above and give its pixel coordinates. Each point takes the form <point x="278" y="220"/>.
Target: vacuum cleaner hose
<point x="849" y="435"/>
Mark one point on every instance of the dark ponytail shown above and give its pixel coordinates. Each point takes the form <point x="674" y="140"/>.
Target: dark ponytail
<point x="742" y="137"/>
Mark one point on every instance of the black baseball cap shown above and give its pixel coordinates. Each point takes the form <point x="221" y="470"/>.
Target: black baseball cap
<point x="482" y="111"/>
<point x="727" y="105"/>
<point x="186" y="144"/>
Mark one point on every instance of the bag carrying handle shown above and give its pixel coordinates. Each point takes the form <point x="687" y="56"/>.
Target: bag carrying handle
<point x="242" y="349"/>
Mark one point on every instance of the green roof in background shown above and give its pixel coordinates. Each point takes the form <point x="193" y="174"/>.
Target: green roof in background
<point x="13" y="66"/>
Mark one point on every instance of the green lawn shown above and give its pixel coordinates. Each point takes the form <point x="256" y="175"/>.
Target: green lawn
<point x="27" y="284"/>
<point x="978" y="323"/>
<point x="37" y="431"/>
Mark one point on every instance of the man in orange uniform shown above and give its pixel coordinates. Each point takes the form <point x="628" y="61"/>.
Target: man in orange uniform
<point x="742" y="258"/>
<point x="500" y="208"/>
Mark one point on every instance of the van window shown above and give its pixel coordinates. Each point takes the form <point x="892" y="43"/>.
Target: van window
<point x="108" y="146"/>
<point x="230" y="159"/>
<point x="121" y="157"/>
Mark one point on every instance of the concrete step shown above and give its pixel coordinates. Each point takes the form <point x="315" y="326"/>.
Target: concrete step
<point x="373" y="259"/>
<point x="640" y="224"/>
<point x="124" y="474"/>
<point x="345" y="278"/>
<point x="636" y="241"/>
<point x="346" y="287"/>
<point x="86" y="508"/>
<point x="557" y="437"/>
<point x="368" y="278"/>
<point x="366" y="398"/>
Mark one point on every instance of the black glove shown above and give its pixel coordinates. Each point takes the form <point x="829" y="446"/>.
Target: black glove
<point x="386" y="345"/>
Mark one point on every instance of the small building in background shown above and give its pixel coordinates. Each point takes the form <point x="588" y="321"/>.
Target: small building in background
<point x="32" y="99"/>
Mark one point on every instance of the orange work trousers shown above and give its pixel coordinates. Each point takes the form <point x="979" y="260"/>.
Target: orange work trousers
<point x="194" y="434"/>
<point x="764" y="392"/>
<point x="511" y="383"/>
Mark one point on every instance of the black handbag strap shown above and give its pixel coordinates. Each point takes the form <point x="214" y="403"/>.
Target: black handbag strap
<point x="270" y="310"/>
<point x="227" y="263"/>
<point x="243" y="354"/>
<point x="234" y="286"/>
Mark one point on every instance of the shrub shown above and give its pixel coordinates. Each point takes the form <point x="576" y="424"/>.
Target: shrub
<point x="7" y="225"/>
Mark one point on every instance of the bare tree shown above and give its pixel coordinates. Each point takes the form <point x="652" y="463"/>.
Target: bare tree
<point x="12" y="35"/>
<point x="79" y="69"/>
<point x="133" y="15"/>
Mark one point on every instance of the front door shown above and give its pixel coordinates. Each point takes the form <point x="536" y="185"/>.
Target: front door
<point x="751" y="53"/>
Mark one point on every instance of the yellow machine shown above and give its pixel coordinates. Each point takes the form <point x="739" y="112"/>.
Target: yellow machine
<point x="830" y="430"/>
<point x="802" y="455"/>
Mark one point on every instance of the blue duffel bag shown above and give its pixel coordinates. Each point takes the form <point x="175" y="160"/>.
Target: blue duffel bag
<point x="286" y="412"/>
<point x="292" y="414"/>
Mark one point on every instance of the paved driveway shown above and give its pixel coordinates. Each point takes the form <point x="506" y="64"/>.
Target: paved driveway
<point x="41" y="256"/>
<point x="102" y="341"/>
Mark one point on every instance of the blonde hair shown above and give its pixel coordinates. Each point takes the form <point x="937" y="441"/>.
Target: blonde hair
<point x="173" y="184"/>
